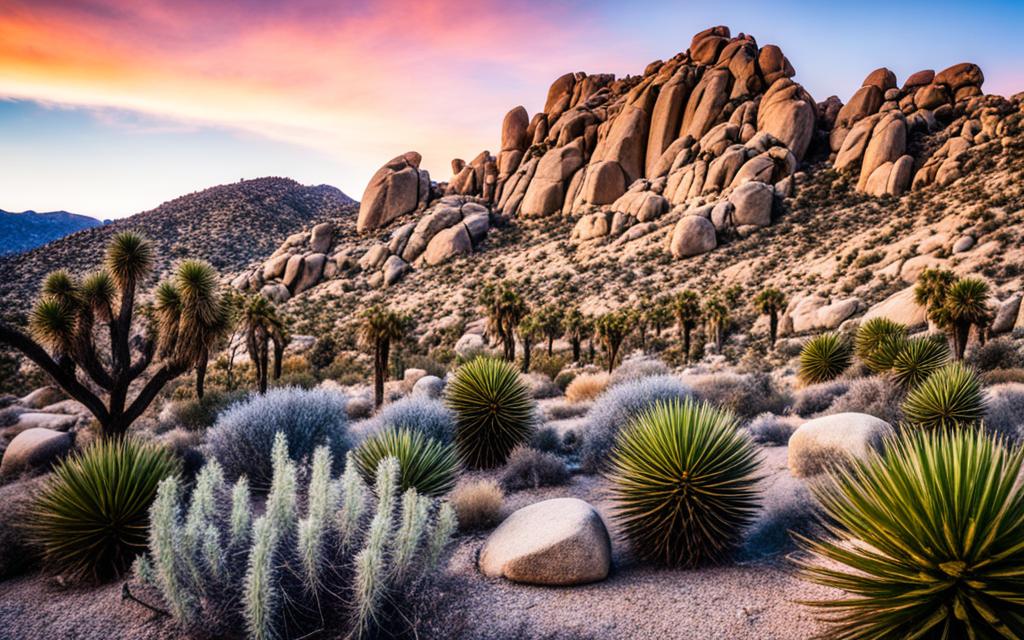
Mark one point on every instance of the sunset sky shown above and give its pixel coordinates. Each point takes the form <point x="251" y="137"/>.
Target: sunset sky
<point x="110" y="107"/>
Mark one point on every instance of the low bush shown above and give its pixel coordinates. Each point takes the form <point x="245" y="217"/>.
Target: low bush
<point x="949" y="397"/>
<point x="564" y="378"/>
<point x="683" y="478"/>
<point x="541" y="386"/>
<point x="323" y="555"/>
<point x="1001" y="353"/>
<point x="426" y="415"/>
<point x="477" y="504"/>
<point x="785" y="513"/>
<point x="636" y="368"/>
<point x="243" y="436"/>
<point x="587" y="386"/>
<point x="999" y="376"/>
<point x="425" y="464"/>
<point x="918" y="550"/>
<point x="564" y="411"/>
<point x="1004" y="411"/>
<point x="874" y="395"/>
<point x="529" y="468"/>
<point x="91" y="515"/>
<point x="546" y="439"/>
<point x="816" y="398"/>
<point x="771" y="429"/>
<point x="616" y="408"/>
<point x="200" y="414"/>
<point x="548" y="365"/>
<point x="745" y="394"/>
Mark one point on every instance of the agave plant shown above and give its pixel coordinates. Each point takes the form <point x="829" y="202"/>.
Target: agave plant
<point x="683" y="479"/>
<point x="493" y="408"/>
<point x="917" y="359"/>
<point x="824" y="358"/>
<point x="950" y="396"/>
<point x="927" y="542"/>
<point x="425" y="464"/>
<point x="91" y="517"/>
<point x="875" y="335"/>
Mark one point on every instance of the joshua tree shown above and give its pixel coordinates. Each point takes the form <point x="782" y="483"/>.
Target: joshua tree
<point x="505" y="308"/>
<point x="378" y="329"/>
<point x="954" y="305"/>
<point x="323" y="352"/>
<point x="770" y="302"/>
<point x="717" y="316"/>
<point x="640" y="319"/>
<point x="932" y="284"/>
<point x="263" y="326"/>
<point x="64" y="327"/>
<point x="550" y="319"/>
<point x="686" y="308"/>
<point x="577" y="327"/>
<point x="529" y="328"/>
<point x="660" y="314"/>
<point x="612" y="328"/>
<point x="733" y="295"/>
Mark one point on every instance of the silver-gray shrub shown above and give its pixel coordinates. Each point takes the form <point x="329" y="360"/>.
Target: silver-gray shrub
<point x="770" y="429"/>
<point x="417" y="413"/>
<point x="815" y="398"/>
<point x="1004" y="412"/>
<point x="633" y="369"/>
<point x="745" y="394"/>
<point x="874" y="395"/>
<point x="325" y="554"/>
<point x="243" y="436"/>
<point x="615" y="408"/>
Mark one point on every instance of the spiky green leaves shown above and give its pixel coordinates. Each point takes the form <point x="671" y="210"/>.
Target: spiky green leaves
<point x="191" y="314"/>
<point x="52" y="323"/>
<point x="98" y="292"/>
<point x="824" y="358"/>
<point x="950" y="396"/>
<point x="425" y="464"/>
<point x="928" y="542"/>
<point x="91" y="518"/>
<point x="876" y="342"/>
<point x="129" y="259"/>
<point x="683" y="478"/>
<point x="493" y="408"/>
<point x="917" y="359"/>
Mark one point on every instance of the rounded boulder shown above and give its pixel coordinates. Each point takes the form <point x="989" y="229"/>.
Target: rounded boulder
<point x="821" y="443"/>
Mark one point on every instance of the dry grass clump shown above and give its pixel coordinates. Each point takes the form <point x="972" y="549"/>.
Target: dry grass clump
<point x="587" y="386"/>
<point x="771" y="429"/>
<point x="529" y="468"/>
<point x="1000" y="376"/>
<point x="477" y="504"/>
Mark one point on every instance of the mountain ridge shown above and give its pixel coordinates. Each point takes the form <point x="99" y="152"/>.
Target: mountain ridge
<point x="24" y="230"/>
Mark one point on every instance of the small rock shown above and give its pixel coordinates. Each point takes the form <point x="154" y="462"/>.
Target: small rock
<point x="34" y="448"/>
<point x="428" y="387"/>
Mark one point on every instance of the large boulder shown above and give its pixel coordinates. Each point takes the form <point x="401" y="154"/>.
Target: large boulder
<point x="32" y="449"/>
<point x="393" y="191"/>
<point x="899" y="307"/>
<point x="787" y="112"/>
<point x="692" y="236"/>
<point x="428" y="387"/>
<point x="312" y="269"/>
<point x="753" y="204"/>
<point x="447" y="243"/>
<point x="41" y="397"/>
<point x="823" y="442"/>
<point x="555" y="542"/>
<point x="322" y="237"/>
<point x="41" y="420"/>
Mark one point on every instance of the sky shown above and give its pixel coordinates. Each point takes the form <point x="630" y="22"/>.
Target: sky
<point x="110" y="107"/>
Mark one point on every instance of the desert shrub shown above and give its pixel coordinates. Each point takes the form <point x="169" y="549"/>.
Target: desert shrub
<point x="823" y="358"/>
<point x="425" y="464"/>
<point x="636" y="368"/>
<point x="1000" y="376"/>
<point x="186" y="446"/>
<point x="745" y="394"/>
<point x="477" y="504"/>
<point x="529" y="468"/>
<point x="324" y="554"/>
<point x="918" y="549"/>
<point x="565" y="411"/>
<point x="296" y="379"/>
<point x="1001" y="353"/>
<point x="546" y="439"/>
<point x="243" y="436"/>
<point x="541" y="386"/>
<point x="564" y="378"/>
<point x="616" y="408"/>
<point x="874" y="334"/>
<point x="815" y="398"/>
<point x="1004" y="410"/>
<point x="548" y="365"/>
<point x="197" y="414"/>
<point x="17" y="551"/>
<point x="917" y="359"/>
<point x="91" y="514"/>
<point x="683" y="478"/>
<point x="493" y="411"/>
<point x="785" y="512"/>
<point x="587" y="386"/>
<point x="771" y="429"/>
<point x="428" y="416"/>
<point x="949" y="397"/>
<point x="874" y="395"/>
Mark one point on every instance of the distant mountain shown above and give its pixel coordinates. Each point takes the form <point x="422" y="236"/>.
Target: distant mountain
<point x="29" y="229"/>
<point x="228" y="225"/>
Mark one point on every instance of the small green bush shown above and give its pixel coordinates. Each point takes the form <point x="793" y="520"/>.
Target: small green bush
<point x="950" y="396"/>
<point x="926" y="541"/>
<point x="493" y="408"/>
<point x="91" y="515"/>
<point x="823" y="358"/>
<point x="426" y="465"/>
<point x="199" y="414"/>
<point x="683" y="478"/>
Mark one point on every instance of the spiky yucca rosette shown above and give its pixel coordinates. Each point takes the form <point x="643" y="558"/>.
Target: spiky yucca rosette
<point x="950" y="396"/>
<point x="425" y="464"/>
<point x="824" y="358"/>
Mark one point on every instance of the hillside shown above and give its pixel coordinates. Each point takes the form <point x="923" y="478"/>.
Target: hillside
<point x="228" y="225"/>
<point x="20" y="231"/>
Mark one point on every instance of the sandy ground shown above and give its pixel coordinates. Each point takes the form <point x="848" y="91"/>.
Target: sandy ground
<point x="751" y="598"/>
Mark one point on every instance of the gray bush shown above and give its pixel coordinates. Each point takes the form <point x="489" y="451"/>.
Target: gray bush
<point x="17" y="554"/>
<point x="635" y="369"/>
<point x="816" y="398"/>
<point x="1001" y="353"/>
<point x="788" y="510"/>
<point x="429" y="416"/>
<point x="771" y="429"/>
<point x="529" y="468"/>
<point x="243" y="435"/>
<point x="746" y="394"/>
<point x="874" y="395"/>
<point x="613" y="411"/>
<point x="1004" y="413"/>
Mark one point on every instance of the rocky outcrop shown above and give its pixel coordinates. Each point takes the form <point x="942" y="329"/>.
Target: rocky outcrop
<point x="398" y="188"/>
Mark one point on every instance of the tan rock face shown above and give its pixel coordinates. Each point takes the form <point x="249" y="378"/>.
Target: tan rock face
<point x="555" y="542"/>
<point x="392" y="192"/>
<point x="33" y="449"/>
<point x="448" y="243"/>
<point x="961" y="75"/>
<point x="514" y="129"/>
<point x="692" y="236"/>
<point x="787" y="113"/>
<point x="820" y="443"/>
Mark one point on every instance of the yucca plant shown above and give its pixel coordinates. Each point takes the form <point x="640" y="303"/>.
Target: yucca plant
<point x="770" y="302"/>
<point x="425" y="464"/>
<point x="493" y="408"/>
<point x="823" y="358"/>
<point x="263" y="326"/>
<point x="965" y="305"/>
<point x="927" y="541"/>
<point x="878" y="335"/>
<point x="917" y="359"/>
<point x="379" y="327"/>
<point x="950" y="396"/>
<point x="92" y="515"/>
<point x="683" y="478"/>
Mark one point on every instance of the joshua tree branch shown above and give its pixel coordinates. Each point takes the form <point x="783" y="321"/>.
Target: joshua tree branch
<point x="149" y="392"/>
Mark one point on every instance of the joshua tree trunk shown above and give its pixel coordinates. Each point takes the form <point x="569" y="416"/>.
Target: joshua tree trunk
<point x="380" y="370"/>
<point x="961" y="332"/>
<point x="551" y="345"/>
<point x="773" y="327"/>
<point x="575" y="349"/>
<point x="590" y="348"/>
<point x="201" y="374"/>
<point x="278" y="357"/>
<point x="686" y="344"/>
<point x="527" y="348"/>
